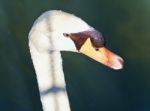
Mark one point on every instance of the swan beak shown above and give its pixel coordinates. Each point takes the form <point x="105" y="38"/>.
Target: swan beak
<point x="102" y="55"/>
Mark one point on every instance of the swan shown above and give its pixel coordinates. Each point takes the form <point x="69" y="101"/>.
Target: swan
<point x="56" y="31"/>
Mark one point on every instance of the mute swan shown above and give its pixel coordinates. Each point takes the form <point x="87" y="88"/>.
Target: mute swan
<point x="56" y="31"/>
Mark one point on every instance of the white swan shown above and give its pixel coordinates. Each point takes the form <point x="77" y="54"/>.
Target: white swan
<point x="56" y="31"/>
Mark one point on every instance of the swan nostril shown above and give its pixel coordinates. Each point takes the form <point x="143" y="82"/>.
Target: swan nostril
<point x="96" y="49"/>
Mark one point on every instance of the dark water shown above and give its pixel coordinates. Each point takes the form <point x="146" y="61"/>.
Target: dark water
<point x="91" y="86"/>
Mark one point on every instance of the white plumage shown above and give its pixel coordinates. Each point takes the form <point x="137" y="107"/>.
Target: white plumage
<point x="46" y="40"/>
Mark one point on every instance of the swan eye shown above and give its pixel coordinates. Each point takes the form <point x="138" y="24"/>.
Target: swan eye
<point x="66" y="35"/>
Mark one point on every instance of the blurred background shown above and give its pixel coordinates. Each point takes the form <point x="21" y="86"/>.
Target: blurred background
<point x="125" y="24"/>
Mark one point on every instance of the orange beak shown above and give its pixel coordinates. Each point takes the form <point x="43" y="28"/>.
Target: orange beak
<point x="102" y="55"/>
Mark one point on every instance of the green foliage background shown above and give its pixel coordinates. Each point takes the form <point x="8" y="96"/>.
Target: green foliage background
<point x="125" y="24"/>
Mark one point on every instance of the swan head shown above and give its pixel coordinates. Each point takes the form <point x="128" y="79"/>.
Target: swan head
<point x="61" y="31"/>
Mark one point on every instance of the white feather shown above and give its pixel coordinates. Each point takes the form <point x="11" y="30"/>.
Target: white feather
<point x="45" y="41"/>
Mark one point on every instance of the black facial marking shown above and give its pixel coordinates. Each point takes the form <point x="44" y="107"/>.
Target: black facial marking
<point x="80" y="38"/>
<point x="96" y="38"/>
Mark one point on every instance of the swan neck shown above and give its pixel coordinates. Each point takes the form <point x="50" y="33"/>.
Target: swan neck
<point x="50" y="78"/>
